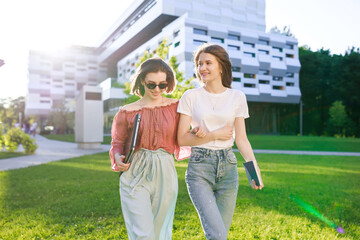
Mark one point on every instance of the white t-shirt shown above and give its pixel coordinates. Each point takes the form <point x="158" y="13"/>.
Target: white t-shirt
<point x="214" y="111"/>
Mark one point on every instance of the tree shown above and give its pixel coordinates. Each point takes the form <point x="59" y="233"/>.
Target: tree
<point x="61" y="118"/>
<point x="162" y="51"/>
<point x="286" y="31"/>
<point x="339" y="119"/>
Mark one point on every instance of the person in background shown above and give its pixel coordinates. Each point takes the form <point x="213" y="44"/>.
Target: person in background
<point x="33" y="128"/>
<point x="149" y="185"/>
<point x="215" y="112"/>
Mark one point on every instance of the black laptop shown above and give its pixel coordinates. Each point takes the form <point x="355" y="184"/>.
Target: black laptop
<point x="135" y="131"/>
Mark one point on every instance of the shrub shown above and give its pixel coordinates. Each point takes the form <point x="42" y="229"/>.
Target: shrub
<point x="12" y="138"/>
<point x="29" y="144"/>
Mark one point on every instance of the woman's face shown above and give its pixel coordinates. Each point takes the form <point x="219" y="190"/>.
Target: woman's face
<point x="155" y="84"/>
<point x="208" y="68"/>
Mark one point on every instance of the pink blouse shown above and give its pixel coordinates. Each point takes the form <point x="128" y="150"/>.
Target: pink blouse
<point x="158" y="129"/>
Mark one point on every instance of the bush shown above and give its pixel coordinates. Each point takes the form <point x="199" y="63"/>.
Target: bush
<point x="29" y="144"/>
<point x="14" y="137"/>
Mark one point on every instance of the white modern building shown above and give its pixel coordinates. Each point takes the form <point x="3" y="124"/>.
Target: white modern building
<point x="265" y="66"/>
<point x="59" y="76"/>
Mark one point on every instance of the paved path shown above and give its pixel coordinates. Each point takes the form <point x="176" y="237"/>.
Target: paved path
<point x="51" y="150"/>
<point x="48" y="151"/>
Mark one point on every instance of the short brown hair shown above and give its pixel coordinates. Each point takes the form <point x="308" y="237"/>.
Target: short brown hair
<point x="152" y="65"/>
<point x="221" y="56"/>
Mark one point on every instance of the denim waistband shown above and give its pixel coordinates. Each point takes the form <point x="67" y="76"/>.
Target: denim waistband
<point x="210" y="151"/>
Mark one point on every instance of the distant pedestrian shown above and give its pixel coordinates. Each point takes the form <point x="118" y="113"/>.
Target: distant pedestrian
<point x="33" y="129"/>
<point x="27" y="127"/>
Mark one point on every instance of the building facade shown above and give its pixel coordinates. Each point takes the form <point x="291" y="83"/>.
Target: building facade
<point x="59" y="76"/>
<point x="265" y="66"/>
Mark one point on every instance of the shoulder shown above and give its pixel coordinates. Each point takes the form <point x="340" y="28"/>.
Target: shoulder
<point x="170" y="101"/>
<point x="237" y="93"/>
<point x="131" y="107"/>
<point x="190" y="93"/>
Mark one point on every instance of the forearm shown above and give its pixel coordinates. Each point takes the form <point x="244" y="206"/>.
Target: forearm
<point x="245" y="149"/>
<point x="190" y="139"/>
<point x="247" y="152"/>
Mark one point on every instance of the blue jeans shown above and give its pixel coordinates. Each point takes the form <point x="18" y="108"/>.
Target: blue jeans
<point x="212" y="182"/>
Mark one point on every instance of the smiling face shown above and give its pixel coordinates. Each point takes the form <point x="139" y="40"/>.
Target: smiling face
<point x="208" y="68"/>
<point x="158" y="78"/>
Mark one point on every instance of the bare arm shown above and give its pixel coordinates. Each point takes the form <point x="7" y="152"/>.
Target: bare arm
<point x="245" y="148"/>
<point x="186" y="138"/>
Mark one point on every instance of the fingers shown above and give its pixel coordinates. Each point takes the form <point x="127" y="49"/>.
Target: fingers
<point x="254" y="186"/>
<point x="120" y="163"/>
<point x="201" y="133"/>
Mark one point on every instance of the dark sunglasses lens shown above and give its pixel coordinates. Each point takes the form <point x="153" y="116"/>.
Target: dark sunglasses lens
<point x="151" y="85"/>
<point x="163" y="86"/>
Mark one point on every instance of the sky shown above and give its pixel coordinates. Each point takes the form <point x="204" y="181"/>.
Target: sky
<point x="52" y="24"/>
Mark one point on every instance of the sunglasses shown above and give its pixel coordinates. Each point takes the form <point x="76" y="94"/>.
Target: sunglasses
<point x="153" y="85"/>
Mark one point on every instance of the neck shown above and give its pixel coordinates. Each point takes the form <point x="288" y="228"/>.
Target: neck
<point x="149" y="102"/>
<point x="214" y="87"/>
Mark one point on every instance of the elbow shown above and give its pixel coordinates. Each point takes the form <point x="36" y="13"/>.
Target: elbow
<point x="180" y="141"/>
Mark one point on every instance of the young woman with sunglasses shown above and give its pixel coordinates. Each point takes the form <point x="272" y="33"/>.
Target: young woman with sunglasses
<point x="212" y="175"/>
<point x="148" y="186"/>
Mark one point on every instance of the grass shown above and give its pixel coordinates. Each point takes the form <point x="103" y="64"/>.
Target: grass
<point x="307" y="143"/>
<point x="5" y="155"/>
<point x="78" y="199"/>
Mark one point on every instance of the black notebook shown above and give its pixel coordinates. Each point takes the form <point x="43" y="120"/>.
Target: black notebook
<point x="135" y="131"/>
<point x="251" y="172"/>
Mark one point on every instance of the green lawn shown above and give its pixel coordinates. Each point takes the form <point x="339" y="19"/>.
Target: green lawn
<point x="5" y="155"/>
<point x="79" y="199"/>
<point x="308" y="143"/>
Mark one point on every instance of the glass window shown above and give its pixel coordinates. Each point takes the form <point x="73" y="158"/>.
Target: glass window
<point x="263" y="52"/>
<point x="198" y="42"/>
<point x="249" y="85"/>
<point x="237" y="79"/>
<point x="276" y="78"/>
<point x="278" y="87"/>
<point x="233" y="47"/>
<point x="289" y="46"/>
<point x="235" y="69"/>
<point x="264" y="72"/>
<point x="249" y="54"/>
<point x="217" y="40"/>
<point x="177" y="44"/>
<point x="278" y="49"/>
<point x="264" y="81"/>
<point x="234" y="37"/>
<point x="277" y="58"/>
<point x="249" y="75"/>
<point x="290" y="84"/>
<point x="252" y="45"/>
<point x="263" y="42"/>
<point x="200" y="31"/>
<point x="290" y="55"/>
<point x="289" y="75"/>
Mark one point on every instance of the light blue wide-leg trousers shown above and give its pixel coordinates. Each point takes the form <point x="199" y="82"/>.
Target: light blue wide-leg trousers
<point x="148" y="192"/>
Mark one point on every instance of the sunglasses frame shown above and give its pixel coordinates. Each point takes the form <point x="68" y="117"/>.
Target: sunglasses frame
<point x="161" y="86"/>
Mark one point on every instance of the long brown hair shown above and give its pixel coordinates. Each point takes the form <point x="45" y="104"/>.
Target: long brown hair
<point x="152" y="65"/>
<point x="221" y="56"/>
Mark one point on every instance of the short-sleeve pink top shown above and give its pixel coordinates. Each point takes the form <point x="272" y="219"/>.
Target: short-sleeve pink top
<point x="158" y="129"/>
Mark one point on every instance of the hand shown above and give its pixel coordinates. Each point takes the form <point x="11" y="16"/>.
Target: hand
<point x="200" y="131"/>
<point x="254" y="186"/>
<point x="120" y="162"/>
<point x="224" y="133"/>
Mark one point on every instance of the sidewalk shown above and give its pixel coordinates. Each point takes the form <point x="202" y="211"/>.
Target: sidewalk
<point x="51" y="150"/>
<point x="48" y="151"/>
